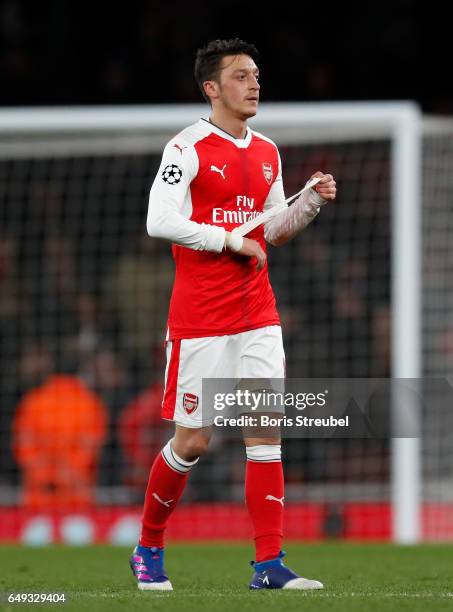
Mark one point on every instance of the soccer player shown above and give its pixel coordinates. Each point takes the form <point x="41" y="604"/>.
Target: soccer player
<point x="223" y="322"/>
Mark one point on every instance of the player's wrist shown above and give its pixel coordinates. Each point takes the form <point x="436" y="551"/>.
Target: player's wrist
<point x="316" y="199"/>
<point x="233" y="241"/>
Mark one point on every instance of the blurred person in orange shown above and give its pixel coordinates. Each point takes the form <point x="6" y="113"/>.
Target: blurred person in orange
<point x="58" y="432"/>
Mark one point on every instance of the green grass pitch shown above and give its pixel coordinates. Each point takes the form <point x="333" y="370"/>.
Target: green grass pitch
<point x="215" y="577"/>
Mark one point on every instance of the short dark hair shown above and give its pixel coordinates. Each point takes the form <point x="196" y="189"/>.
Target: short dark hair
<point x="209" y="58"/>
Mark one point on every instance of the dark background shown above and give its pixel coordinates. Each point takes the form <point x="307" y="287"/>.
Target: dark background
<point x="67" y="52"/>
<point x="77" y="271"/>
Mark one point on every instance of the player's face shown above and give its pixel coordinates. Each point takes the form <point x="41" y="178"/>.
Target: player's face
<point x="238" y="89"/>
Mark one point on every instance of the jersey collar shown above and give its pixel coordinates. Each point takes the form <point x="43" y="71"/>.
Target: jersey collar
<point x="241" y="143"/>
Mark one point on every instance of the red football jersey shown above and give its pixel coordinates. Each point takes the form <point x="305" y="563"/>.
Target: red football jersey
<point x="210" y="182"/>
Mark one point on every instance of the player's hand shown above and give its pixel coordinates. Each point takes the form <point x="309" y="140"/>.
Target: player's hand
<point x="251" y="248"/>
<point x="326" y="187"/>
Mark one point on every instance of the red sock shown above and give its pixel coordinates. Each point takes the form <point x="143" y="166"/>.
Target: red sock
<point x="165" y="487"/>
<point x="264" y="479"/>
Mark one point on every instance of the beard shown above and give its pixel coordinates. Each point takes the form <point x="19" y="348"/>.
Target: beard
<point x="241" y="112"/>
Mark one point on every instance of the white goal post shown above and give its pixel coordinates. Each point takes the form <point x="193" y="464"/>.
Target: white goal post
<point x="61" y="131"/>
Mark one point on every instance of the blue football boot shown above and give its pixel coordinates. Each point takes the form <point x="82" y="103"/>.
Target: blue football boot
<point x="147" y="565"/>
<point x="273" y="574"/>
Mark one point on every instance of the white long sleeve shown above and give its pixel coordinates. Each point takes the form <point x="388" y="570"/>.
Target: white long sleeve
<point x="170" y="206"/>
<point x="295" y="218"/>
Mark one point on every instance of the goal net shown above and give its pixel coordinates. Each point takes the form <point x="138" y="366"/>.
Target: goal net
<point x="437" y="328"/>
<point x="83" y="304"/>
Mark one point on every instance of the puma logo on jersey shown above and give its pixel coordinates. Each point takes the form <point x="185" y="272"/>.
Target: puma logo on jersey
<point x="215" y="169"/>
<point x="277" y="499"/>
<point x="180" y="149"/>
<point x="161" y="501"/>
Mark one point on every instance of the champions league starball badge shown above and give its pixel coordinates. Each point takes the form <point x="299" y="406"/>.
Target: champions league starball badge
<point x="172" y="174"/>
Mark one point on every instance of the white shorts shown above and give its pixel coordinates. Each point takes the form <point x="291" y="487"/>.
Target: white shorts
<point x="257" y="353"/>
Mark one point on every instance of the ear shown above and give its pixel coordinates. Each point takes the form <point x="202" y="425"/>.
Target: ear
<point x="211" y="89"/>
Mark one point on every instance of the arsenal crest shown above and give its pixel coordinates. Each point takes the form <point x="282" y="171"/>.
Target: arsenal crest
<point x="190" y="402"/>
<point x="268" y="173"/>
